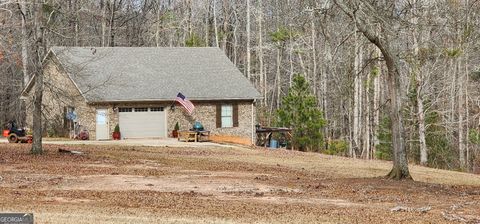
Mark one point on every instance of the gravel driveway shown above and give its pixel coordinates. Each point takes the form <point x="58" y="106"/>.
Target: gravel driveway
<point x="164" y="142"/>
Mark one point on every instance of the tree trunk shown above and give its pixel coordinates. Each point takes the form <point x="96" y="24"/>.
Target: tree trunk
<point x="207" y="25"/>
<point x="263" y="78"/>
<point x="189" y="20"/>
<point x="461" y="136"/>
<point x="357" y="105"/>
<point x="225" y="25"/>
<point x="366" y="118"/>
<point x="278" y="78"/>
<point x="302" y="64"/>
<point x="313" y="34"/>
<point x="324" y="76"/>
<point x="467" y="144"/>
<point x="157" y="33"/>
<point x="248" y="41"/>
<point x="421" y="123"/>
<point x="400" y="162"/>
<point x="452" y="98"/>
<point x="112" y="23"/>
<point x="235" y="43"/>
<point x="376" y="108"/>
<point x="467" y="81"/>
<point x="75" y="22"/>
<point x="26" y="76"/>
<point x="419" y="88"/>
<point x="290" y="57"/>
<point x="104" y="21"/>
<point x="38" y="95"/>
<point x="215" y="22"/>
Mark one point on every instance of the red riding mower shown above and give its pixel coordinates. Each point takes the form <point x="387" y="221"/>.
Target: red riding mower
<point x="15" y="135"/>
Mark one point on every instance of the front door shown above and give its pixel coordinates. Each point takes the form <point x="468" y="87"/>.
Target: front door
<point x="102" y="129"/>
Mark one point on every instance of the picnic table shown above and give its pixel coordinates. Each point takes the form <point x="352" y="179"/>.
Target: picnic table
<point x="264" y="135"/>
<point x="195" y="136"/>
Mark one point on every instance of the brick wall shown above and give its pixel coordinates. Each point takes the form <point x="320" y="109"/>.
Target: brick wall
<point x="205" y="113"/>
<point x="60" y="91"/>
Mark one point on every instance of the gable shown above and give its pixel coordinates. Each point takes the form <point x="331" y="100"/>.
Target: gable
<point x="56" y="79"/>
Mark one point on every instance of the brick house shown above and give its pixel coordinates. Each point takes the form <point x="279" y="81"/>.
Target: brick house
<point x="136" y="87"/>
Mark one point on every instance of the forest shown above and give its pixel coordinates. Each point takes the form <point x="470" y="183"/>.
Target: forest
<point x="365" y="62"/>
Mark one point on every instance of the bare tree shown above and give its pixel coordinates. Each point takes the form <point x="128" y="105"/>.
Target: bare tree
<point x="359" y="12"/>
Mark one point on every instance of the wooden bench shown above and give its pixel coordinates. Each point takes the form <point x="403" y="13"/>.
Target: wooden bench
<point x="187" y="136"/>
<point x="195" y="136"/>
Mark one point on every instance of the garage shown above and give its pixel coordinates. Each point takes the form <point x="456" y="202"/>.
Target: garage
<point x="142" y="122"/>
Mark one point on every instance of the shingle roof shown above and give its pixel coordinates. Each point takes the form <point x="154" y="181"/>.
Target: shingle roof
<point x="134" y="74"/>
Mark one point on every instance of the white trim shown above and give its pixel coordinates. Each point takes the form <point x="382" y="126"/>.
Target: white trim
<point x="253" y="125"/>
<point x="166" y="122"/>
<point x="27" y="86"/>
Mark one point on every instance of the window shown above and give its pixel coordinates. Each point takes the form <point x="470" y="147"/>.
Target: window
<point x="156" y="109"/>
<point x="101" y="117"/>
<point x="70" y="109"/>
<point x="125" y="109"/>
<point x="141" y="109"/>
<point x="227" y="116"/>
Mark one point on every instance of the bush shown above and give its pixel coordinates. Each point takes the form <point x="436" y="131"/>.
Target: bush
<point x="474" y="136"/>
<point x="194" y="41"/>
<point x="475" y="76"/>
<point x="476" y="163"/>
<point x="440" y="153"/>
<point x="117" y="128"/>
<point x="337" y="147"/>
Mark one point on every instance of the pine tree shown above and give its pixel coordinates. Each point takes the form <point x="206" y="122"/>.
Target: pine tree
<point x="299" y="111"/>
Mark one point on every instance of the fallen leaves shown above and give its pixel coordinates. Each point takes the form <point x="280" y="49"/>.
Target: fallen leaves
<point x="460" y="212"/>
<point x="245" y="188"/>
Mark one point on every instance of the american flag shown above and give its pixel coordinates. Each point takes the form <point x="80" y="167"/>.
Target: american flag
<point x="185" y="103"/>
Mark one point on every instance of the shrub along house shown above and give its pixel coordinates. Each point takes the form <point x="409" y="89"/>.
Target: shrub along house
<point x="136" y="88"/>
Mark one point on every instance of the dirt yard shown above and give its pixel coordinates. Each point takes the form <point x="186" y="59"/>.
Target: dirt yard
<point x="114" y="184"/>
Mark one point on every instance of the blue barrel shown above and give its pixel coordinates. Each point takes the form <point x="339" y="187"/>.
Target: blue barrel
<point x="273" y="143"/>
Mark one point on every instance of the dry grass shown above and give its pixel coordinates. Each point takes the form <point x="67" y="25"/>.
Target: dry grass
<point x="114" y="184"/>
<point x="340" y="167"/>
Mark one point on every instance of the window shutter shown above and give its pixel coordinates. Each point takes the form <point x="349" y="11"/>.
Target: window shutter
<point x="65" y="120"/>
<point x="235" y="115"/>
<point x="219" y="116"/>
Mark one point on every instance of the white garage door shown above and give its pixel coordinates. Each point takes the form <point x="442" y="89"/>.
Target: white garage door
<point x="142" y="122"/>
